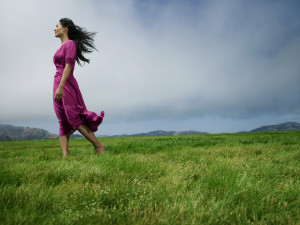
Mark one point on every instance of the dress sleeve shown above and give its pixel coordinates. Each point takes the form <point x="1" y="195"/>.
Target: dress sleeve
<point x="70" y="54"/>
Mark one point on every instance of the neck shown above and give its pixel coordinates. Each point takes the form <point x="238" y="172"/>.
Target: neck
<point x="64" y="38"/>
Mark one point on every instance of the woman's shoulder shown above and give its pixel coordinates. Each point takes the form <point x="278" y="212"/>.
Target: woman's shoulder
<point x="69" y="43"/>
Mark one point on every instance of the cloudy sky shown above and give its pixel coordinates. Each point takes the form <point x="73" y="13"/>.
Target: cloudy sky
<point x="206" y="65"/>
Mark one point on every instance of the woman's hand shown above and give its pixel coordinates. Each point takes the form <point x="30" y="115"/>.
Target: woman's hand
<point x="59" y="93"/>
<point x="60" y="90"/>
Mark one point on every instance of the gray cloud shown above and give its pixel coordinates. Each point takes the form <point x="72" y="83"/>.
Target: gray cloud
<point x="231" y="59"/>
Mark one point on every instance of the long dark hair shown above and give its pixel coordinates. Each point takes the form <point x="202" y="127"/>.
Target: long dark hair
<point x="83" y="39"/>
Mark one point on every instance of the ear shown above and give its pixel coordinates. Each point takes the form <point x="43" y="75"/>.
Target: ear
<point x="66" y="29"/>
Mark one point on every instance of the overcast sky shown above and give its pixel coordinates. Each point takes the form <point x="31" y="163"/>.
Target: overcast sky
<point x="214" y="66"/>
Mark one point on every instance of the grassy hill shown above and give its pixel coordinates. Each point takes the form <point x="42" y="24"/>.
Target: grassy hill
<point x="250" y="178"/>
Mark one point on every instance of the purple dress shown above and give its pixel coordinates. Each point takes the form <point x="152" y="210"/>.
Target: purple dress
<point x="71" y="110"/>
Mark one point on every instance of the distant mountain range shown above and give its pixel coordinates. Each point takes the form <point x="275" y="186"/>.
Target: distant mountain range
<point x="14" y="133"/>
<point x="156" y="133"/>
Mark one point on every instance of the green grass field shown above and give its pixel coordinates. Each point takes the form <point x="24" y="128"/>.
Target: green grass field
<point x="248" y="178"/>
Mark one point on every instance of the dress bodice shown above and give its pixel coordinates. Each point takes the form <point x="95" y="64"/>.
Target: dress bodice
<point x="65" y="54"/>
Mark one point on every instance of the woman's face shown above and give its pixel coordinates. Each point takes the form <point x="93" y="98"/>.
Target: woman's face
<point x="60" y="30"/>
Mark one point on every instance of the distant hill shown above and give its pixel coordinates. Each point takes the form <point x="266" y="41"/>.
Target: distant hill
<point x="289" y="126"/>
<point x="279" y="127"/>
<point x="14" y="133"/>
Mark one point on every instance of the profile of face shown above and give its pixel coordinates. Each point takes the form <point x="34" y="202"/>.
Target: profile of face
<point x="60" y="30"/>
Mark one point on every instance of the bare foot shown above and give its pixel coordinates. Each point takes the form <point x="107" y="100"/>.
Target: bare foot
<point x="100" y="148"/>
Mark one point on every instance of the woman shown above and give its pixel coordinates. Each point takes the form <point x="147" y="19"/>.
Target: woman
<point x="68" y="102"/>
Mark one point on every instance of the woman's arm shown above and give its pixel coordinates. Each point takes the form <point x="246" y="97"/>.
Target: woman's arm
<point x="60" y="90"/>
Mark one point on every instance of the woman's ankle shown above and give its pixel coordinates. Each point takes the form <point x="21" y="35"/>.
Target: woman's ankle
<point x="97" y="144"/>
<point x="100" y="148"/>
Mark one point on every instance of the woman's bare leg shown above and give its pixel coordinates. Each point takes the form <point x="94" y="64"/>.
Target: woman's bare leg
<point x="64" y="144"/>
<point x="88" y="134"/>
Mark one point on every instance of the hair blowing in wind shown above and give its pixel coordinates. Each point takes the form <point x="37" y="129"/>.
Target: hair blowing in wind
<point x="83" y="39"/>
